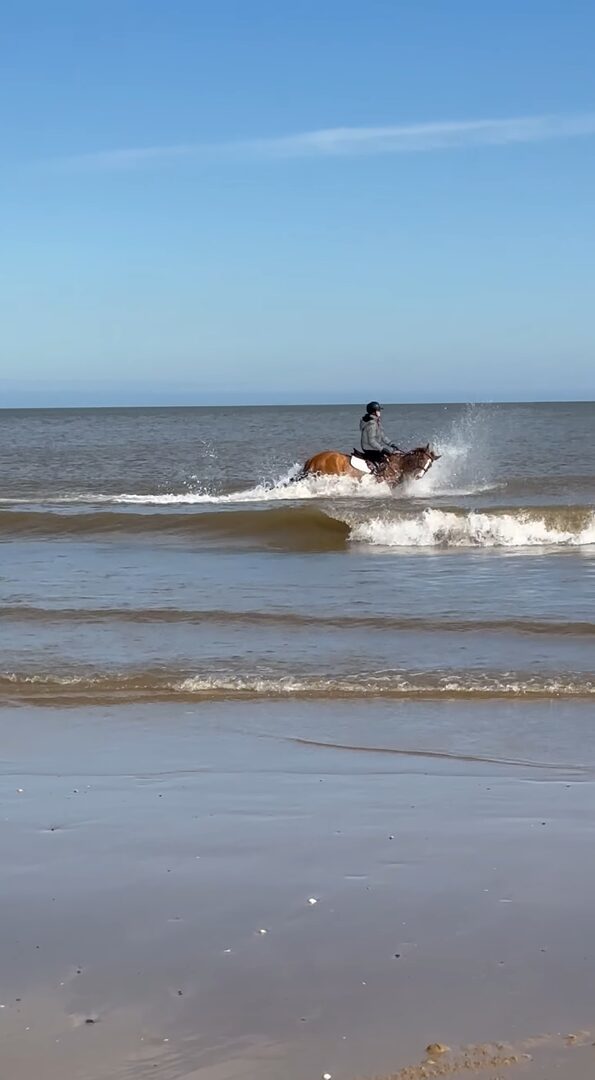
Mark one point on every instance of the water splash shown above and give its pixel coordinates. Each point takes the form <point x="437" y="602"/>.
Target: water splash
<point x="465" y="468"/>
<point x="285" y="488"/>
<point x="466" y="465"/>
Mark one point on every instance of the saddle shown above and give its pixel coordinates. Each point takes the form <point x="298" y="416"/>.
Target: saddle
<point x="364" y="464"/>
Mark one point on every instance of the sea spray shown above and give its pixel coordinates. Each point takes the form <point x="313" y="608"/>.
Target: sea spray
<point x="466" y="464"/>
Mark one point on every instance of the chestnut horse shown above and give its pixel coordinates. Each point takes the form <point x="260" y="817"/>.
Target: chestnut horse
<point x="397" y="467"/>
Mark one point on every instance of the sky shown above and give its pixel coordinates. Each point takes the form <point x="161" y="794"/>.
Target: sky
<point x="228" y="201"/>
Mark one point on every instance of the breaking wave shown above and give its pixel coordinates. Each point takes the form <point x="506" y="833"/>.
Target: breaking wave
<point x="551" y="526"/>
<point x="302" y="528"/>
<point x="159" y="685"/>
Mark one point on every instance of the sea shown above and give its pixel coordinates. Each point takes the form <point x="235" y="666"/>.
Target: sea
<point x="156" y="554"/>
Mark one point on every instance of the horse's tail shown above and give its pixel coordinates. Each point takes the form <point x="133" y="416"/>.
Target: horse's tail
<point x="301" y="474"/>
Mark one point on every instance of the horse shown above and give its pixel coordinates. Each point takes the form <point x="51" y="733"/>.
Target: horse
<point x="397" y="467"/>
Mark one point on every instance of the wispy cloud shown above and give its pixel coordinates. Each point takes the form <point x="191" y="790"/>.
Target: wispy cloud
<point x="352" y="141"/>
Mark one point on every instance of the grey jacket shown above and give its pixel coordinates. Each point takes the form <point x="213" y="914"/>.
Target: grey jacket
<point x="373" y="437"/>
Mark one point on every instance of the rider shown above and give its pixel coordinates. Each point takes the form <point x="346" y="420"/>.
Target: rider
<point x="375" y="446"/>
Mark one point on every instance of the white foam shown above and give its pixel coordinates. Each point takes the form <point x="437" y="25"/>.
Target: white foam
<point x="282" y="490"/>
<point x="439" y="528"/>
<point x="388" y="683"/>
<point x="311" y="487"/>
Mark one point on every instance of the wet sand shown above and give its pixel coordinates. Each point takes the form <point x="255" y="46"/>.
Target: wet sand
<point x="159" y="863"/>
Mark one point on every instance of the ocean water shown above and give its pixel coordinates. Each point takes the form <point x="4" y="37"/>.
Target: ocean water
<point x="163" y="554"/>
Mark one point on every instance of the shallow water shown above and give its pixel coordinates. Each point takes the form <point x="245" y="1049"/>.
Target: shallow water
<point x="161" y="552"/>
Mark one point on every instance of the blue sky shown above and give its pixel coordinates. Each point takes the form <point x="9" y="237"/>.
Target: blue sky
<point x="296" y="201"/>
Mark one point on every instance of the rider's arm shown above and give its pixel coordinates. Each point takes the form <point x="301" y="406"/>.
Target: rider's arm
<point x="383" y="442"/>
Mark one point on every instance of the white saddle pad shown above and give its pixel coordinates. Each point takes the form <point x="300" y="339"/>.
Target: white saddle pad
<point x="359" y="464"/>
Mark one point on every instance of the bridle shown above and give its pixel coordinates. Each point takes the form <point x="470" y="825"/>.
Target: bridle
<point x="397" y="463"/>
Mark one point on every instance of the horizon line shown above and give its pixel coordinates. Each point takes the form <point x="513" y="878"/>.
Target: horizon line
<point x="306" y="404"/>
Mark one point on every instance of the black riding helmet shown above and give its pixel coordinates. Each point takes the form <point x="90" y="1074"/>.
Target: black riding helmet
<point x="372" y="407"/>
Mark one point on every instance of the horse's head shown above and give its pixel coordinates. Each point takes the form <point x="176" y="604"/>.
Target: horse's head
<point x="424" y="458"/>
<point x="414" y="462"/>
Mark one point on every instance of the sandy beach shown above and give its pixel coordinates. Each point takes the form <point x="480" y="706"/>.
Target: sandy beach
<point x="161" y="863"/>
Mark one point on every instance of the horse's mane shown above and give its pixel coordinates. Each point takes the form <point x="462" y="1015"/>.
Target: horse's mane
<point x="415" y="450"/>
